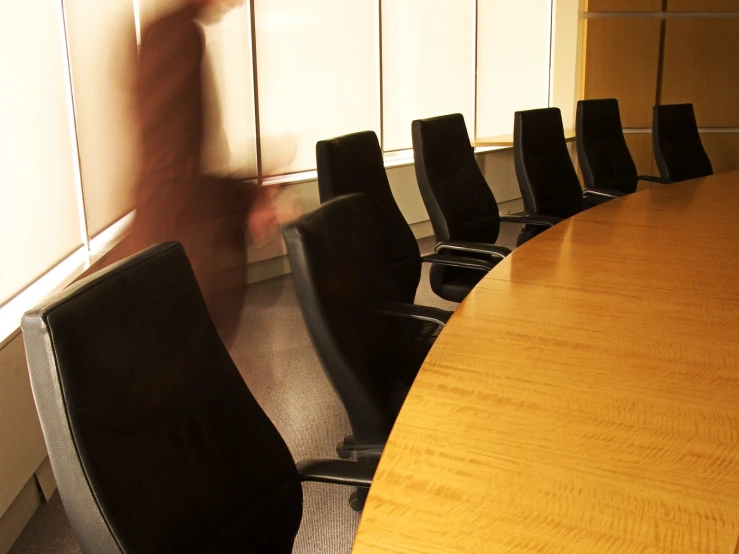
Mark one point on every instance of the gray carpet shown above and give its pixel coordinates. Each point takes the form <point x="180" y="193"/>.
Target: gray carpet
<point x="278" y="363"/>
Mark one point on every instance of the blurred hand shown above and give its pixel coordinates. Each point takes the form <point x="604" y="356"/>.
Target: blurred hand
<point x="268" y="213"/>
<point x="262" y="219"/>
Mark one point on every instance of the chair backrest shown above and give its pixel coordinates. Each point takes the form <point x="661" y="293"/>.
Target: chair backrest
<point x="602" y="152"/>
<point x="459" y="201"/>
<point x="546" y="176"/>
<point x="337" y="260"/>
<point x="155" y="441"/>
<point x="353" y="163"/>
<point x="677" y="143"/>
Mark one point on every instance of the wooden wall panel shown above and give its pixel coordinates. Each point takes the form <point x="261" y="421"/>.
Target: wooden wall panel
<point x="621" y="61"/>
<point x="702" y="6"/>
<point x="723" y="149"/>
<point x="624" y="6"/>
<point x="700" y="67"/>
<point x="640" y="146"/>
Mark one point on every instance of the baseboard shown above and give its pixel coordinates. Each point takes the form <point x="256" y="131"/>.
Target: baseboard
<point x="45" y="478"/>
<point x="280" y="265"/>
<point x="422" y="229"/>
<point x="514" y="206"/>
<point x="18" y="514"/>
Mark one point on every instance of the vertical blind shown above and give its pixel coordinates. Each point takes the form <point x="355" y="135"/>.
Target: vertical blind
<point x="102" y="57"/>
<point x="513" y="53"/>
<point x="428" y="64"/>
<point x="285" y="73"/>
<point x="229" y="134"/>
<point x="565" y="80"/>
<point x="39" y="218"/>
<point x="316" y="74"/>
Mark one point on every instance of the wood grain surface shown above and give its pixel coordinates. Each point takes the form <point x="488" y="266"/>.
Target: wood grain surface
<point x="702" y="6"/>
<point x="700" y="68"/>
<point x="622" y="61"/>
<point x="623" y="6"/>
<point x="584" y="397"/>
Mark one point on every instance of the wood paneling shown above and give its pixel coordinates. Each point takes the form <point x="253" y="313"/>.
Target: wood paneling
<point x="702" y="6"/>
<point x="583" y="397"/>
<point x="624" y="6"/>
<point x="722" y="149"/>
<point x="700" y="67"/>
<point x="621" y="61"/>
<point x="640" y="146"/>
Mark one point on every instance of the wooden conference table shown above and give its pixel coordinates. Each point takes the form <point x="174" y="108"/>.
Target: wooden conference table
<point x="584" y="397"/>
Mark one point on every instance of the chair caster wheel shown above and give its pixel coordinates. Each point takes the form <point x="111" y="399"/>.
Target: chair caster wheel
<point x="357" y="500"/>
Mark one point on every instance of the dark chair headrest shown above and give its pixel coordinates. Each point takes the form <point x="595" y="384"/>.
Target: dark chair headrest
<point x="540" y="130"/>
<point x="676" y="121"/>
<point x="351" y="163"/>
<point x="599" y="117"/>
<point x="443" y="143"/>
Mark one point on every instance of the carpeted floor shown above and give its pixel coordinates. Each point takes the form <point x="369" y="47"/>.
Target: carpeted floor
<point x="277" y="361"/>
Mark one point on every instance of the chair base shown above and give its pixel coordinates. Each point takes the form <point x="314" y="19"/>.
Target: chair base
<point x="346" y="448"/>
<point x="357" y="499"/>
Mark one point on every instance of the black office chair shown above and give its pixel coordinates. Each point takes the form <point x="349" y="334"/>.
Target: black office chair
<point x="547" y="178"/>
<point x="462" y="208"/>
<point x="155" y="441"/>
<point x="371" y="344"/>
<point x="602" y="152"/>
<point x="677" y="143"/>
<point x="353" y="163"/>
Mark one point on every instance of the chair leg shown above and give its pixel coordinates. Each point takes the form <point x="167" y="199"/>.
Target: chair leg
<point x="346" y="448"/>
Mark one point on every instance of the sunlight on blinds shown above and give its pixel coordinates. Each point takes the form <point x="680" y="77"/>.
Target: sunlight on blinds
<point x="102" y="50"/>
<point x="428" y="64"/>
<point x="512" y="61"/>
<point x="317" y="64"/>
<point x="39" y="218"/>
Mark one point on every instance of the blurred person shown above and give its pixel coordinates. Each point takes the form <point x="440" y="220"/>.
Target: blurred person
<point x="210" y="215"/>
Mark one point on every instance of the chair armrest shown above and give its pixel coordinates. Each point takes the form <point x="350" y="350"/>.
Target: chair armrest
<point x="537" y="220"/>
<point x="458" y="261"/>
<point x="604" y="193"/>
<point x="653" y="179"/>
<point x="415" y="311"/>
<point x="495" y="252"/>
<point x="337" y="472"/>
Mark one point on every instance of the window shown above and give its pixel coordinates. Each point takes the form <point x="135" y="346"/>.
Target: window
<point x="39" y="214"/>
<point x="317" y="76"/>
<point x="428" y="64"/>
<point x="285" y="74"/>
<point x="513" y="50"/>
<point x="102" y="57"/>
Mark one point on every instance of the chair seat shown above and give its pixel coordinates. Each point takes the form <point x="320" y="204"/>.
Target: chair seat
<point x="621" y="184"/>
<point x="453" y="284"/>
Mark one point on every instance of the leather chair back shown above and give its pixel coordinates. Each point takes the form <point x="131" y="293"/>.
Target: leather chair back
<point x="546" y="176"/>
<point x="155" y="441"/>
<point x="339" y="272"/>
<point x="602" y="152"/>
<point x="354" y="164"/>
<point x="677" y="143"/>
<point x="459" y="201"/>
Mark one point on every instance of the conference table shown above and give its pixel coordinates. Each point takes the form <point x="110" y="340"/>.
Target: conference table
<point x="584" y="397"/>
